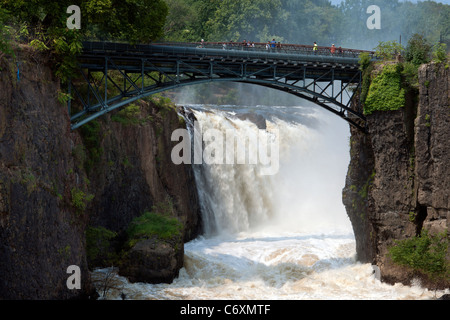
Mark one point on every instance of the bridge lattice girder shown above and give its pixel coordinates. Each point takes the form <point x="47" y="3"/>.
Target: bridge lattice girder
<point x="329" y="81"/>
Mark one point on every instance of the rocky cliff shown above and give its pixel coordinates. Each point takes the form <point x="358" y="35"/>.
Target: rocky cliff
<point x="41" y="232"/>
<point x="55" y="183"/>
<point x="132" y="173"/>
<point x="398" y="179"/>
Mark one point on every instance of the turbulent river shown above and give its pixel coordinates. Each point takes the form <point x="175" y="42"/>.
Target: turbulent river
<point x="283" y="235"/>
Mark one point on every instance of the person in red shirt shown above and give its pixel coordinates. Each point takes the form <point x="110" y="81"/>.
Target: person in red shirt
<point x="333" y="49"/>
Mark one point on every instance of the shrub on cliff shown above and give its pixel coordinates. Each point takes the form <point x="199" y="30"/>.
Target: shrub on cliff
<point x="158" y="223"/>
<point x="418" y="50"/>
<point x="386" y="91"/>
<point x="366" y="67"/>
<point x="440" y="53"/>
<point x="151" y="223"/>
<point x="388" y="50"/>
<point x="80" y="199"/>
<point x="425" y="253"/>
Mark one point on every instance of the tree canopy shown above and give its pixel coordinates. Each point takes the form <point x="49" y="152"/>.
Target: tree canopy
<point x="305" y="21"/>
<point x="131" y="20"/>
<point x="288" y="21"/>
<point x="44" y="25"/>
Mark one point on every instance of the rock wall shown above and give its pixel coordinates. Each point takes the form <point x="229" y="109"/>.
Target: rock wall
<point x="135" y="171"/>
<point x="49" y="196"/>
<point x="432" y="144"/>
<point x="41" y="232"/>
<point x="399" y="175"/>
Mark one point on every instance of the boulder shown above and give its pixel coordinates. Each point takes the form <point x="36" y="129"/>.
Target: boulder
<point x="153" y="261"/>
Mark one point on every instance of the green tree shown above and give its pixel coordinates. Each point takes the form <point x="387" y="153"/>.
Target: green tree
<point x="308" y="21"/>
<point x="131" y="20"/>
<point x="439" y="52"/>
<point x="181" y="22"/>
<point x="387" y="50"/>
<point x="5" y="46"/>
<point x="134" y="20"/>
<point x="418" y="50"/>
<point x="246" y="19"/>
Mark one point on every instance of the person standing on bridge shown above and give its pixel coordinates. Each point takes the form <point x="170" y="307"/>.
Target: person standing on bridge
<point x="333" y="49"/>
<point x="273" y="43"/>
<point x="244" y="45"/>
<point x="315" y="48"/>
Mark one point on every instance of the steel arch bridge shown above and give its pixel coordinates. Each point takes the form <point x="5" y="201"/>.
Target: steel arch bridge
<point x="328" y="80"/>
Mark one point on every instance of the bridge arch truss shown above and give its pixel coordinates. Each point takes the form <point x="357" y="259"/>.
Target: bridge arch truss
<point x="328" y="81"/>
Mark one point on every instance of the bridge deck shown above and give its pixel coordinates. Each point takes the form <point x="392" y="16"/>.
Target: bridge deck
<point x="225" y="62"/>
<point x="288" y="53"/>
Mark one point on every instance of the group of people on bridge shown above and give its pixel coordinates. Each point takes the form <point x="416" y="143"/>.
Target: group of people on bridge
<point x="274" y="46"/>
<point x="333" y="49"/>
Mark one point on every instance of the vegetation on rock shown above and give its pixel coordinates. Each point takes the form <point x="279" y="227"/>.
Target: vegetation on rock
<point x="385" y="91"/>
<point x="425" y="253"/>
<point x="159" y="223"/>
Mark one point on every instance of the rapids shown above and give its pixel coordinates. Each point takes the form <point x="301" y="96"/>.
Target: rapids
<point x="276" y="236"/>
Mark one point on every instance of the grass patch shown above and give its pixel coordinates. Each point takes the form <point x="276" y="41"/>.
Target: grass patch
<point x="159" y="222"/>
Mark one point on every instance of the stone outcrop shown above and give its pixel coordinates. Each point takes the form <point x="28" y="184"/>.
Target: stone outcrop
<point x="398" y="179"/>
<point x="153" y="261"/>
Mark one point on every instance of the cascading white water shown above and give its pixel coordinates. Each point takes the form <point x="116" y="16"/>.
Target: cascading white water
<point x="304" y="193"/>
<point x="281" y="236"/>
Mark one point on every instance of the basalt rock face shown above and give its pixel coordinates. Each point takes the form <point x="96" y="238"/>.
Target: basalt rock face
<point x="51" y="191"/>
<point x="432" y="142"/>
<point x="398" y="179"/>
<point x="135" y="171"/>
<point x="134" y="174"/>
<point x="41" y="231"/>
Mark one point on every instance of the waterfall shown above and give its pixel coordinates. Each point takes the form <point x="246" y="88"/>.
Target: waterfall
<point x="236" y="197"/>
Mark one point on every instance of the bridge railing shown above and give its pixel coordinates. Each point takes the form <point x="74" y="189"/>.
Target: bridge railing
<point x="276" y="48"/>
<point x="254" y="50"/>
